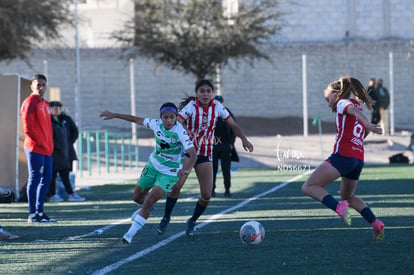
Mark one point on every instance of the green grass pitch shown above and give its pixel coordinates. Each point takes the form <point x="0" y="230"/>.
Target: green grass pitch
<point x="302" y="236"/>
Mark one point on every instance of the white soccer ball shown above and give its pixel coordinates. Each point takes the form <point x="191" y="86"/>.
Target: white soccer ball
<point x="252" y="233"/>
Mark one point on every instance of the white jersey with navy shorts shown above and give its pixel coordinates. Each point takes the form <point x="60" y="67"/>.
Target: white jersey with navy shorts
<point x="170" y="146"/>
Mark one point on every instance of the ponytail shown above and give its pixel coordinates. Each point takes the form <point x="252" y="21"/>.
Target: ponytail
<point x="347" y="85"/>
<point x="185" y="101"/>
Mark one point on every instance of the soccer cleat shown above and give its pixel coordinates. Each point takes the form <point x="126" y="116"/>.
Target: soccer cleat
<point x="75" y="197"/>
<point x="43" y="218"/>
<point x="4" y="235"/>
<point x="127" y="239"/>
<point x="378" y="230"/>
<point x="55" y="198"/>
<point x="163" y="225"/>
<point x="189" y="231"/>
<point x="342" y="211"/>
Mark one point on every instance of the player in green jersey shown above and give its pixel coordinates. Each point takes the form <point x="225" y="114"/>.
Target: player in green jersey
<point x="164" y="168"/>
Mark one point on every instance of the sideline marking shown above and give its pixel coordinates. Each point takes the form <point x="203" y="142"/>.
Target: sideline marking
<point x="170" y="239"/>
<point x="98" y="231"/>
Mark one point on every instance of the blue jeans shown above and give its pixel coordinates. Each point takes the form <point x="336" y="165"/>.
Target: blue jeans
<point x="40" y="175"/>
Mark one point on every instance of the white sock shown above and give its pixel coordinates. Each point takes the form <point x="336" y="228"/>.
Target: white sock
<point x="136" y="225"/>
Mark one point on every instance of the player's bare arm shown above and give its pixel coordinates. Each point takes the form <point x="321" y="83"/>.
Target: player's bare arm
<point x="239" y="132"/>
<point x="106" y="115"/>
<point x="352" y="110"/>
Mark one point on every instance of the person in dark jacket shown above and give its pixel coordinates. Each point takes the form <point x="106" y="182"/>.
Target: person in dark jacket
<point x="372" y="92"/>
<point x="73" y="134"/>
<point x="224" y="151"/>
<point x="61" y="159"/>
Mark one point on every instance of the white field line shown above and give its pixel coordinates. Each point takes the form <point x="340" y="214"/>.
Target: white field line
<point x="170" y="239"/>
<point x="99" y="231"/>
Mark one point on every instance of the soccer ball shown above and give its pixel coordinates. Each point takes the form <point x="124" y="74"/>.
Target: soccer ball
<point x="252" y="233"/>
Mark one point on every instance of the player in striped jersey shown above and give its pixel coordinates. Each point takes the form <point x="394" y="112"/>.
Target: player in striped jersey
<point x="165" y="166"/>
<point x="347" y="159"/>
<point x="199" y="114"/>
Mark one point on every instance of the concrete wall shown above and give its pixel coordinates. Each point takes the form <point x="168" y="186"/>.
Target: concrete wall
<point x="271" y="90"/>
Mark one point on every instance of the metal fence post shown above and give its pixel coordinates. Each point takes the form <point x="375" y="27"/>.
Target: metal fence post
<point x="98" y="152"/>
<point x="80" y="143"/>
<point x="107" y="151"/>
<point x="88" y="150"/>
<point x="116" y="153"/>
<point x="136" y="152"/>
<point x="123" y="151"/>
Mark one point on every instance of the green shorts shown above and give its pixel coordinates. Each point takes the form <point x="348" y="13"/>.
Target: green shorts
<point x="150" y="177"/>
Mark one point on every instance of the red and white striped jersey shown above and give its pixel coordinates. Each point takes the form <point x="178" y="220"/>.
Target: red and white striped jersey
<point x="201" y="121"/>
<point x="349" y="141"/>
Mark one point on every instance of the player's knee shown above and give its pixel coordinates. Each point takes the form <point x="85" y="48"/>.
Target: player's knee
<point x="138" y="199"/>
<point x="173" y="193"/>
<point x="305" y="188"/>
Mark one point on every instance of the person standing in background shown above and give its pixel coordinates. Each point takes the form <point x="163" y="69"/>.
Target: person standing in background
<point x="38" y="146"/>
<point x="372" y="92"/>
<point x="61" y="161"/>
<point x="73" y="134"/>
<point x="224" y="151"/>
<point x="384" y="100"/>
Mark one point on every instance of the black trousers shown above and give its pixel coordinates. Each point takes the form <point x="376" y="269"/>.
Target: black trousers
<point x="223" y="154"/>
<point x="64" y="175"/>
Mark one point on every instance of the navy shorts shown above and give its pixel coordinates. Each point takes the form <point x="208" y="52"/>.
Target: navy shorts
<point x="348" y="167"/>
<point x="200" y="159"/>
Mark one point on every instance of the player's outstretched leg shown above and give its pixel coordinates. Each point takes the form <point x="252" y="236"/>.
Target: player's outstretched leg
<point x="136" y="225"/>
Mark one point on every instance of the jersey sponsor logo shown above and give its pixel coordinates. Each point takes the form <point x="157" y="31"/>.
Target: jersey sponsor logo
<point x="164" y="145"/>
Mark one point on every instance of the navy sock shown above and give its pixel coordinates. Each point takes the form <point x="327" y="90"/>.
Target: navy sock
<point x="169" y="206"/>
<point x="330" y="202"/>
<point x="199" y="209"/>
<point x="367" y="214"/>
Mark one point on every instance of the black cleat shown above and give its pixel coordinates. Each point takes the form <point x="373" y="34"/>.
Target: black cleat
<point x="190" y="227"/>
<point x="163" y="225"/>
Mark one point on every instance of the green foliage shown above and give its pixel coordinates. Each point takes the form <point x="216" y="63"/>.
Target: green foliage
<point x="26" y="23"/>
<point x="195" y="36"/>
